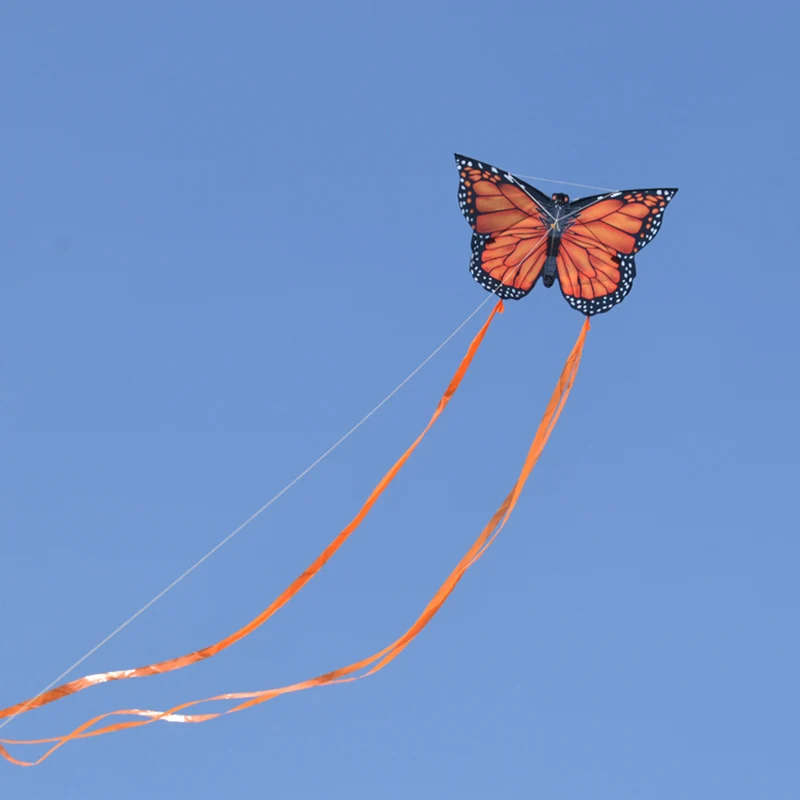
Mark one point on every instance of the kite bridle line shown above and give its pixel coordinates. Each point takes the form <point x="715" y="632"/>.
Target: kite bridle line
<point x="603" y="189"/>
<point x="566" y="183"/>
<point x="573" y="214"/>
<point x="512" y="177"/>
<point x="251" y="518"/>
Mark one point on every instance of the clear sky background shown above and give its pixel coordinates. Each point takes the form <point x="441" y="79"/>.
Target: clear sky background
<point x="228" y="229"/>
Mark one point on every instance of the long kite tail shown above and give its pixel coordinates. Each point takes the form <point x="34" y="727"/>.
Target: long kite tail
<point x="375" y="662"/>
<point x="172" y="664"/>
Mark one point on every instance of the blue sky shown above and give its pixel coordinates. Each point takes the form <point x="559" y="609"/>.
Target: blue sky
<point x="229" y="229"/>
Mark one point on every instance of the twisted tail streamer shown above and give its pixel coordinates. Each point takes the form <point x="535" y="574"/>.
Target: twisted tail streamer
<point x="359" y="669"/>
<point x="172" y="664"/>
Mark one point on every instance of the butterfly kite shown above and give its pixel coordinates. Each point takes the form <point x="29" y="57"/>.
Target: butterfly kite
<point x="589" y="244"/>
<point x="519" y="235"/>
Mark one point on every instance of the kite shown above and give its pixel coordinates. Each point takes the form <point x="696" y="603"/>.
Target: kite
<point x="589" y="244"/>
<point x="519" y="235"/>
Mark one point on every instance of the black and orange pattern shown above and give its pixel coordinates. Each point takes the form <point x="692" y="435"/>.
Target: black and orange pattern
<point x="509" y="243"/>
<point x="589" y="244"/>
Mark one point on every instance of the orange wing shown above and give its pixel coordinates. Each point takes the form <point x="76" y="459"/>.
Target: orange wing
<point x="595" y="259"/>
<point x="509" y="243"/>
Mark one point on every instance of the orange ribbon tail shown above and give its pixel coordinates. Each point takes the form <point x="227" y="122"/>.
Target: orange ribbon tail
<point x="375" y="662"/>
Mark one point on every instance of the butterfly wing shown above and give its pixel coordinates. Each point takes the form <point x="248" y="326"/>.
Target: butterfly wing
<point x="508" y="217"/>
<point x="595" y="259"/>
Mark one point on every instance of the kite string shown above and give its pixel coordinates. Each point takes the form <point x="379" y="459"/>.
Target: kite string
<point x="250" y="519"/>
<point x="179" y="662"/>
